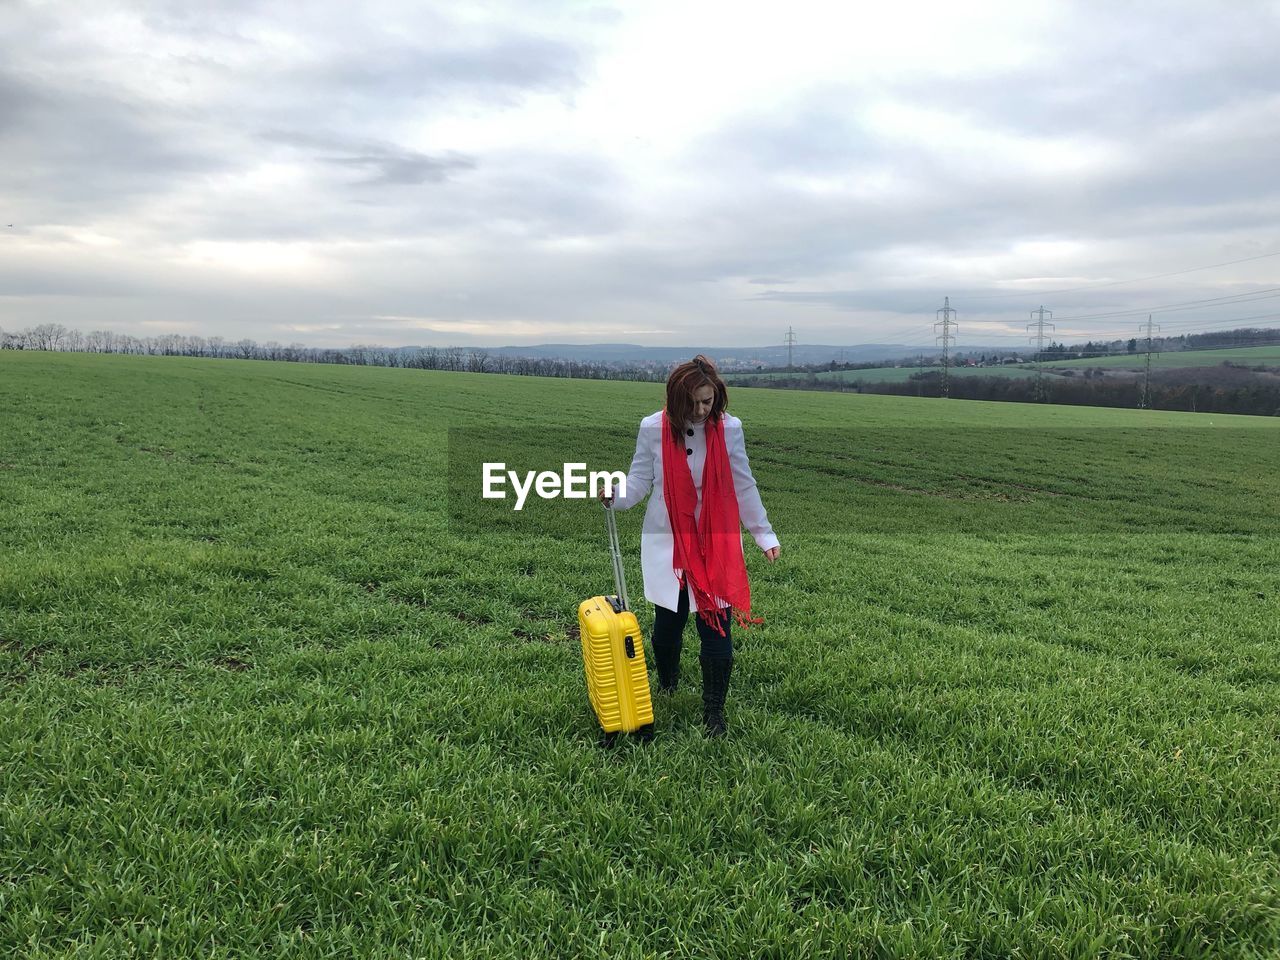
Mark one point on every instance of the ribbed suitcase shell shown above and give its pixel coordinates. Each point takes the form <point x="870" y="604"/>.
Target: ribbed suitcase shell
<point x="613" y="657"/>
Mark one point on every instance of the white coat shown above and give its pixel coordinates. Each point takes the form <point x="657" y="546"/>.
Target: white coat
<point x="645" y="477"/>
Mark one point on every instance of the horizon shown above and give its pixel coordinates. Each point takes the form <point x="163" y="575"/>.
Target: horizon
<point x="58" y="338"/>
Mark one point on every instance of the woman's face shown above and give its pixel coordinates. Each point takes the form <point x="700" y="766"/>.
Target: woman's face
<point x="703" y="397"/>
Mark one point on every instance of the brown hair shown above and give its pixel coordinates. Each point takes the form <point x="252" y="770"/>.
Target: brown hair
<point x="686" y="378"/>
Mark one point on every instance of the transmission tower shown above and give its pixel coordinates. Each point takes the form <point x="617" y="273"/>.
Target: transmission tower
<point x="1038" y="323"/>
<point x="790" y="341"/>
<point x="946" y="337"/>
<point x="1149" y="328"/>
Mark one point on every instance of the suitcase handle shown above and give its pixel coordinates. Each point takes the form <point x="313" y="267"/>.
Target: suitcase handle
<point x="615" y="553"/>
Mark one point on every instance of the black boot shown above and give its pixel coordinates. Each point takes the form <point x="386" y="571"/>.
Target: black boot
<point x="667" y="658"/>
<point x="715" y="685"/>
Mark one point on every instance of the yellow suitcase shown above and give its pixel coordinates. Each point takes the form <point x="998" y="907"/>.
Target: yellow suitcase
<point x="613" y="655"/>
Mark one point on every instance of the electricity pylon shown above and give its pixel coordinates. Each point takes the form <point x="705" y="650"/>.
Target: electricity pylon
<point x="946" y="337"/>
<point x="1149" y="328"/>
<point x="1038" y="338"/>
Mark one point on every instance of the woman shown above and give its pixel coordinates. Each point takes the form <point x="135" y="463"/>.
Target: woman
<point x="692" y="456"/>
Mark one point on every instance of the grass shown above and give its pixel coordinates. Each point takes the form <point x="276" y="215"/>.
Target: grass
<point x="265" y="688"/>
<point x="897" y="374"/>
<point x="1247" y="356"/>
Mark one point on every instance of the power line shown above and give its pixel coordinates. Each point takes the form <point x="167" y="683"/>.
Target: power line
<point x="1267" y="293"/>
<point x="1243" y="323"/>
<point x="1186" y="325"/>
<point x="1181" y="324"/>
<point x="1240" y="345"/>
<point x="1119" y="333"/>
<point x="790" y="341"/>
<point x="917" y="340"/>
<point x="1116" y="283"/>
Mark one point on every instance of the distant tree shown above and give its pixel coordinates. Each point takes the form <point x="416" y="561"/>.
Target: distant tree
<point x="46" y="336"/>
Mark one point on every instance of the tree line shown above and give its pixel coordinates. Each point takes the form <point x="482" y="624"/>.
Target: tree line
<point x="55" y="337"/>
<point x="1227" y="388"/>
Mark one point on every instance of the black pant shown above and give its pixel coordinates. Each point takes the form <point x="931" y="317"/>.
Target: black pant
<point x="668" y="629"/>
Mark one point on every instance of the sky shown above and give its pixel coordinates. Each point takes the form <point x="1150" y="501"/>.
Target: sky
<point x="676" y="173"/>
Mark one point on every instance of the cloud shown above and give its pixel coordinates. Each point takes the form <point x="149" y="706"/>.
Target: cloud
<point x="81" y="152"/>
<point x="404" y="168"/>
<point x="384" y="164"/>
<point x="509" y="62"/>
<point x="508" y="171"/>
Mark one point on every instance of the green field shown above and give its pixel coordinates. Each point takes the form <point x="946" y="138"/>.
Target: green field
<point x="899" y="374"/>
<point x="1248" y="356"/>
<point x="263" y="693"/>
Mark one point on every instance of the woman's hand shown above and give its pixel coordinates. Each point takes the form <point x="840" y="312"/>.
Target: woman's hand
<point x="772" y="553"/>
<point x="606" y="499"/>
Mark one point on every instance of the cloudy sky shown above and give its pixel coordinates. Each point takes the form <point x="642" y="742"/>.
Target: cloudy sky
<point x="704" y="173"/>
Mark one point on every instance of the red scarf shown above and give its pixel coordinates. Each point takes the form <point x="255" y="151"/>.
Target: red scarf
<point x="708" y="552"/>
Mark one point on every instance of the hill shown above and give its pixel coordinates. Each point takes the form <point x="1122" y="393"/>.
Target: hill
<point x="1268" y="357"/>
<point x="633" y="353"/>
<point x="1247" y="356"/>
<point x="1231" y="380"/>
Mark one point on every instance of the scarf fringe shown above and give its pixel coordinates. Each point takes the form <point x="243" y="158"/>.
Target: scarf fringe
<point x="709" y="611"/>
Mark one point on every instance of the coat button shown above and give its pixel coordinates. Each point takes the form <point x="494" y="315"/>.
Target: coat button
<point x="689" y="451"/>
<point x="689" y="431"/>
